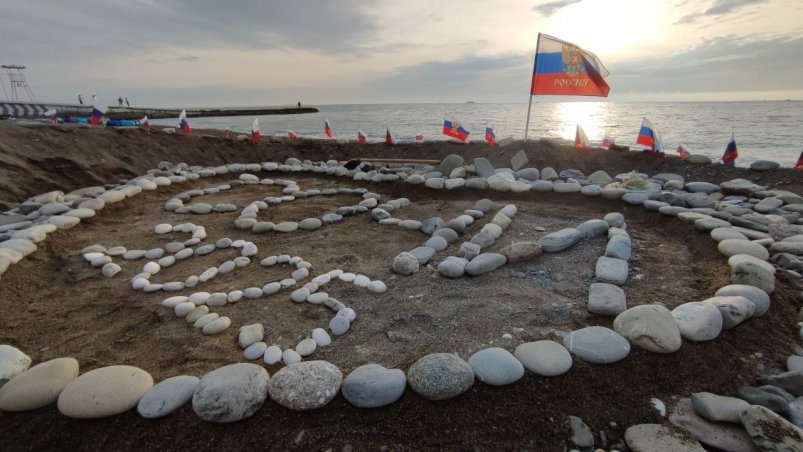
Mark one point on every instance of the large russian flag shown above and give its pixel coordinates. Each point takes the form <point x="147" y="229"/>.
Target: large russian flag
<point x="563" y="68"/>
<point x="646" y="135"/>
<point x="452" y="128"/>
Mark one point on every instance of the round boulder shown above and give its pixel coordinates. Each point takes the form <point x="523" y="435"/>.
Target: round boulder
<point x="231" y="393"/>
<point x="373" y="386"/>
<point x="104" y="392"/>
<point x="496" y="366"/>
<point x="650" y="327"/>
<point x="440" y="376"/>
<point x="306" y="385"/>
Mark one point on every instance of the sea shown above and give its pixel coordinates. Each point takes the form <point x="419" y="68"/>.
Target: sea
<point x="763" y="130"/>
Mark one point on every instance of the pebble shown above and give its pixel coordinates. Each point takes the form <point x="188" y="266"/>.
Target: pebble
<point x="720" y="234"/>
<point x="250" y="334"/>
<point x="38" y="386"/>
<point x="310" y="224"/>
<point x="718" y="408"/>
<point x="405" y="264"/>
<point x="650" y="327"/>
<point x="377" y="287"/>
<point x="306" y="347"/>
<point x="545" y="358"/>
<point x="273" y="355"/>
<point x="485" y="263"/>
<point x="453" y="267"/>
<point x="167" y="396"/>
<point x="339" y="325"/>
<point x="231" y="393"/>
<point x="521" y="251"/>
<point x="216" y="326"/>
<point x="321" y="337"/>
<point x="440" y="376"/>
<point x="751" y="271"/>
<point x="287" y="226"/>
<point x="306" y="385"/>
<point x="183" y="309"/>
<point x="732" y="247"/>
<point x="597" y="344"/>
<point x="255" y="350"/>
<point x="110" y="269"/>
<point x="289" y="356"/>
<point x="496" y="366"/>
<point x="104" y="392"/>
<point x="734" y="309"/>
<point x="698" y="321"/>
<point x="611" y="270"/>
<point x="373" y="386"/>
<point x="770" y="431"/>
<point x="606" y="299"/>
<point x="619" y="247"/>
<point x="759" y="298"/>
<point x="134" y="254"/>
<point x="658" y="438"/>
<point x="560" y="240"/>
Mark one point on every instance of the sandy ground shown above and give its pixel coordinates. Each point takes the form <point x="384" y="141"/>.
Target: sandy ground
<point x="54" y="304"/>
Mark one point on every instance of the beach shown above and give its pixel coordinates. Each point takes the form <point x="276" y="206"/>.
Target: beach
<point x="54" y="304"/>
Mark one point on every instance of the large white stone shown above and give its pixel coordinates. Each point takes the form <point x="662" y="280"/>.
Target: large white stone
<point x="650" y="327"/>
<point x="38" y="386"/>
<point x="231" y="393"/>
<point x="167" y="396"/>
<point x="545" y="358"/>
<point x="698" y="321"/>
<point x="104" y="392"/>
<point x="12" y="362"/>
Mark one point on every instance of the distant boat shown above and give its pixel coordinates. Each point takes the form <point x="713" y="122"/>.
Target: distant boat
<point x="470" y="102"/>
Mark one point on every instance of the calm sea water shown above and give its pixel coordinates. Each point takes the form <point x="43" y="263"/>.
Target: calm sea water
<point x="763" y="130"/>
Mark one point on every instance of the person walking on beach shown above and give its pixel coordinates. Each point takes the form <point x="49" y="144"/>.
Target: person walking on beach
<point x="80" y="100"/>
<point x="126" y="103"/>
<point x="119" y="101"/>
<point x="299" y="104"/>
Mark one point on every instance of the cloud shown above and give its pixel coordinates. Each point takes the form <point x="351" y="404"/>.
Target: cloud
<point x="723" y="64"/>
<point x="719" y="8"/>
<point x="548" y="9"/>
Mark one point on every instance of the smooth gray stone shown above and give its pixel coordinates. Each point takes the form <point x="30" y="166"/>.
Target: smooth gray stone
<point x="154" y="253"/>
<point x="330" y="218"/>
<point x="453" y="267"/>
<point x="759" y="298"/>
<point x="306" y="385"/>
<point x="483" y="239"/>
<point x="770" y="431"/>
<point x="734" y="309"/>
<point x="581" y="434"/>
<point x="519" y="160"/>
<point x="698" y="321"/>
<point x="440" y="376"/>
<point x="560" y="240"/>
<point x="600" y="178"/>
<point x="406" y="263"/>
<point x="672" y="211"/>
<point x="447" y="233"/>
<point x="346" y="211"/>
<point x="767" y="205"/>
<point x="476" y="214"/>
<point x="431" y="225"/>
<point x="614" y="219"/>
<point x="469" y="250"/>
<point x="549" y="174"/>
<point x="619" y="247"/>
<point x="423" y="254"/>
<point x="483" y="205"/>
<point x="672" y="199"/>
<point x="654" y="206"/>
<point x="521" y="251"/>
<point x="597" y="344"/>
<point x="484" y="168"/>
<point x="477" y="183"/>
<point x="410" y="225"/>
<point x="755" y="396"/>
<point x="726" y="233"/>
<point x="593" y="228"/>
<point x="611" y="270"/>
<point x="286" y="226"/>
<point x="702" y="187"/>
<point x="659" y="438"/>
<point x="529" y="174"/>
<point x="740" y="187"/>
<point x="205" y="249"/>
<point x="635" y="198"/>
<point x="450" y="163"/>
<point x="651" y="327"/>
<point x="606" y="299"/>
<point x="764" y="165"/>
<point x="231" y="393"/>
<point x="134" y="254"/>
<point x="485" y="263"/>
<point x="542" y="186"/>
<point x="223" y="243"/>
<point x="699" y="200"/>
<point x="721" y="435"/>
<point x="791" y="382"/>
<point x="591" y="190"/>
<point x="310" y="224"/>
<point x="571" y="174"/>
<point x="437" y="243"/>
<point x="167" y="396"/>
<point x="545" y="358"/>
<point x="373" y="386"/>
<point x="774" y="390"/>
<point x="496" y="366"/>
<point x="718" y="408"/>
<point x="456" y="225"/>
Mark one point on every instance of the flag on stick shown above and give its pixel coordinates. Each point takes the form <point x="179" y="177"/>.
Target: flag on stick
<point x="799" y="165"/>
<point x="608" y="142"/>
<point x="581" y="143"/>
<point x="731" y="153"/>
<point x="490" y="136"/>
<point x="327" y="128"/>
<point x="255" y="135"/>
<point x="361" y="137"/>
<point x="98" y="110"/>
<point x="566" y="69"/>
<point x="291" y="136"/>
<point x="183" y="124"/>
<point x="682" y="152"/>
<point x="646" y="135"/>
<point x="145" y="123"/>
<point x="452" y="128"/>
<point x="388" y="138"/>
<point x="419" y="138"/>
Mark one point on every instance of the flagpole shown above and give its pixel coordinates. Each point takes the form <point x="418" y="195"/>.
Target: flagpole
<point x="530" y="103"/>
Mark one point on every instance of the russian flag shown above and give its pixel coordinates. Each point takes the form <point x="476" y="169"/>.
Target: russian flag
<point x="98" y="110"/>
<point x="255" y="136"/>
<point x="658" y="148"/>
<point x="799" y="165"/>
<point x="419" y="138"/>
<point x="183" y="124"/>
<point x="291" y="136"/>
<point x="608" y="142"/>
<point x="565" y="69"/>
<point x="731" y="153"/>
<point x="682" y="152"/>
<point x="453" y="129"/>
<point x="361" y="137"/>
<point x="327" y="128"/>
<point x="581" y="143"/>
<point x="646" y="135"/>
<point x="490" y="136"/>
<point x="388" y="138"/>
<point x="144" y="123"/>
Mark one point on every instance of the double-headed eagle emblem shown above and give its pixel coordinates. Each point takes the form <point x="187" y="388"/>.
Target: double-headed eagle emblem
<point x="572" y="60"/>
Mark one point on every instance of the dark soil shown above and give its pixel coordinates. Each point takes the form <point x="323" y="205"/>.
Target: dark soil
<point x="54" y="304"/>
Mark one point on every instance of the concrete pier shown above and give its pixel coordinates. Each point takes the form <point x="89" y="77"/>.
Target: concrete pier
<point x="37" y="110"/>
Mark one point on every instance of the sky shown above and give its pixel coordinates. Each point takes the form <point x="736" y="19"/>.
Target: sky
<point x="190" y="53"/>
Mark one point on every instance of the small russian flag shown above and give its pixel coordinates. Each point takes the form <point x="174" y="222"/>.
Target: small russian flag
<point x="608" y="142"/>
<point x="255" y="136"/>
<point x="291" y="136"/>
<point x="646" y="135"/>
<point x="183" y="124"/>
<point x="731" y="153"/>
<point x="98" y="110"/>
<point x="144" y="123"/>
<point x="361" y="137"/>
<point x="327" y="128"/>
<point x="388" y="138"/>
<point x="419" y="138"/>
<point x="490" y="136"/>
<point x="799" y="165"/>
<point x="682" y="152"/>
<point x="452" y="128"/>
<point x="581" y="143"/>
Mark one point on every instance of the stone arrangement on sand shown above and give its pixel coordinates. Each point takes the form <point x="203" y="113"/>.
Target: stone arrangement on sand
<point x="757" y="230"/>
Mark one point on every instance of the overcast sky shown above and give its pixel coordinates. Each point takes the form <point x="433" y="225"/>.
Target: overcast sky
<point x="273" y="52"/>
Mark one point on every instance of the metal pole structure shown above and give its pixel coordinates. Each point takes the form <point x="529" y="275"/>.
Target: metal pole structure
<point x="530" y="103"/>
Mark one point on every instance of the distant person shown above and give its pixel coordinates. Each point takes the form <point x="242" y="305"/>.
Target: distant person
<point x="119" y="101"/>
<point x="299" y="104"/>
<point x="80" y="100"/>
<point x="126" y="103"/>
<point x="94" y="97"/>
